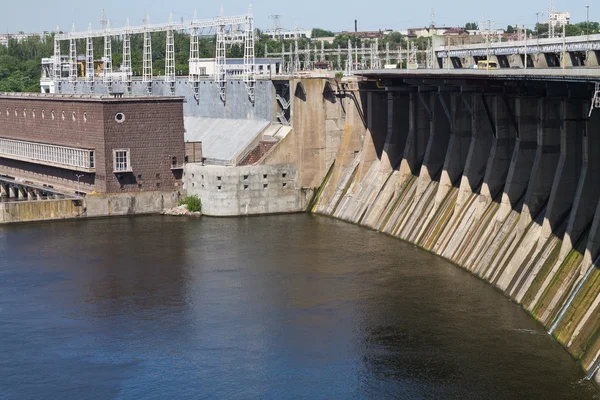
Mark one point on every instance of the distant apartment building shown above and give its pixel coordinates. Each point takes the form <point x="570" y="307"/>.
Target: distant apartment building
<point x="235" y="66"/>
<point x="93" y="143"/>
<point x="560" y="19"/>
<point x="5" y="38"/>
<point x="287" y="34"/>
<point x="380" y="34"/>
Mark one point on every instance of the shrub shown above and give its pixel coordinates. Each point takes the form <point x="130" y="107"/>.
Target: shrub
<point x="339" y="75"/>
<point x="192" y="203"/>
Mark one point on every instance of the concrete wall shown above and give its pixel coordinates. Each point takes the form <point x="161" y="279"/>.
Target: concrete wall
<point x="105" y="205"/>
<point x="207" y="103"/>
<point x="247" y="190"/>
<point x="320" y="121"/>
<point x="29" y="211"/>
<point x="502" y="189"/>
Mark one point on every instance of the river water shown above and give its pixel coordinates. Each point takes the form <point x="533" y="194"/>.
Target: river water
<point x="279" y="307"/>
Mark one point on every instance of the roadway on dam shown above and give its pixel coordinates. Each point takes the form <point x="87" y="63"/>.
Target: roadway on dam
<point x="278" y="307"/>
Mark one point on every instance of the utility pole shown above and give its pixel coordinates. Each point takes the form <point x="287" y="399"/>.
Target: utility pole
<point x="526" y="60"/>
<point x="587" y="24"/>
<point x="487" y="41"/>
<point x="564" y="49"/>
<point x="78" y="177"/>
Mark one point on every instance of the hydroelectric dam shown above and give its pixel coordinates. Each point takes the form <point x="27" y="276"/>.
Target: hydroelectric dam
<point x="496" y="172"/>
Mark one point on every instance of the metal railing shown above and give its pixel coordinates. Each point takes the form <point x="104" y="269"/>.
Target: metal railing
<point x="41" y="153"/>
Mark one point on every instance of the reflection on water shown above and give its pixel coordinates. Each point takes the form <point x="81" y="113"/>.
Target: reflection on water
<point x="281" y="307"/>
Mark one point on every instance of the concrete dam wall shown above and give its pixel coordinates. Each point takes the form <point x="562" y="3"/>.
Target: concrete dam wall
<point x="501" y="178"/>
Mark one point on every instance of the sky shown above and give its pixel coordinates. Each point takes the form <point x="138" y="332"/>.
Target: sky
<point x="335" y="15"/>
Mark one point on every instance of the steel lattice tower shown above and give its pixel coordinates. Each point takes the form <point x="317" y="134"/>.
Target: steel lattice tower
<point x="249" y="60"/>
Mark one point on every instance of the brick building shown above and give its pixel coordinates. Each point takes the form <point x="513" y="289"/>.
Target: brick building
<point x="93" y="143"/>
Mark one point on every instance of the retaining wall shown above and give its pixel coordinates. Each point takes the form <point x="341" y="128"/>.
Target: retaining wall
<point x="104" y="205"/>
<point x="246" y="190"/>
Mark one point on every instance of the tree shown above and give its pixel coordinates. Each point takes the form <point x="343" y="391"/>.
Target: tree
<point x="571" y="30"/>
<point x="394" y="39"/>
<point x="472" y="26"/>
<point x="510" y="29"/>
<point x="342" y="41"/>
<point x="318" y="33"/>
<point x="541" y="30"/>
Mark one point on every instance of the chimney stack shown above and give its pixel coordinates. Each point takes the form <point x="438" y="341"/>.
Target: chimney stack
<point x="355" y="25"/>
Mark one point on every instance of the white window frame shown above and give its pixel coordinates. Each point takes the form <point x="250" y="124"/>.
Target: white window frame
<point x="117" y="166"/>
<point x="47" y="154"/>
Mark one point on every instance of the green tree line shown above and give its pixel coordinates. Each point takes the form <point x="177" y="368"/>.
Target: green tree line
<point x="20" y="61"/>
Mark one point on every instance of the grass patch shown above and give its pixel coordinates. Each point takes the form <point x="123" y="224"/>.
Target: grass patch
<point x="192" y="203"/>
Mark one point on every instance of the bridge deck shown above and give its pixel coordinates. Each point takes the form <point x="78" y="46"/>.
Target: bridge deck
<point x="547" y="74"/>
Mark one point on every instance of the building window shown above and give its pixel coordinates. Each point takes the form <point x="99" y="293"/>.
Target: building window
<point x="122" y="160"/>
<point x="74" y="116"/>
<point x="62" y="115"/>
<point x="41" y="153"/>
<point x="85" y="117"/>
<point x="33" y="113"/>
<point x="119" y="117"/>
<point x="43" y="114"/>
<point x="174" y="162"/>
<point x="92" y="160"/>
<point x="16" y="114"/>
<point x="24" y="113"/>
<point x="52" y="115"/>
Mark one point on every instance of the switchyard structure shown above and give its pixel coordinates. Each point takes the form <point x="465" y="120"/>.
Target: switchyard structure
<point x="360" y="57"/>
<point x="235" y="30"/>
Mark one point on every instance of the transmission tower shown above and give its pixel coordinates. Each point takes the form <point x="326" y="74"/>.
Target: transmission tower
<point x="73" y="60"/>
<point x="194" y="57"/>
<point x="89" y="59"/>
<point x="276" y="25"/>
<point x="170" y="56"/>
<point x="220" y="59"/>
<point x="249" y="60"/>
<point x="107" y="71"/>
<point x="432" y="19"/>
<point x="551" y="25"/>
<point x="147" y="55"/>
<point x="126" y="65"/>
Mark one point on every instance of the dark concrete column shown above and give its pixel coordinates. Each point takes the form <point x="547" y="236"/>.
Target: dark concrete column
<point x="13" y="192"/>
<point x="418" y="135"/>
<point x="439" y="136"/>
<point x="459" y="117"/>
<point x="503" y="145"/>
<point x="30" y="194"/>
<point x="588" y="189"/>
<point x="590" y="197"/>
<point x="568" y="168"/>
<point x="526" y="114"/>
<point x="479" y="150"/>
<point x="397" y="130"/>
<point x="3" y="190"/>
<point x="22" y="192"/>
<point x="546" y="160"/>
